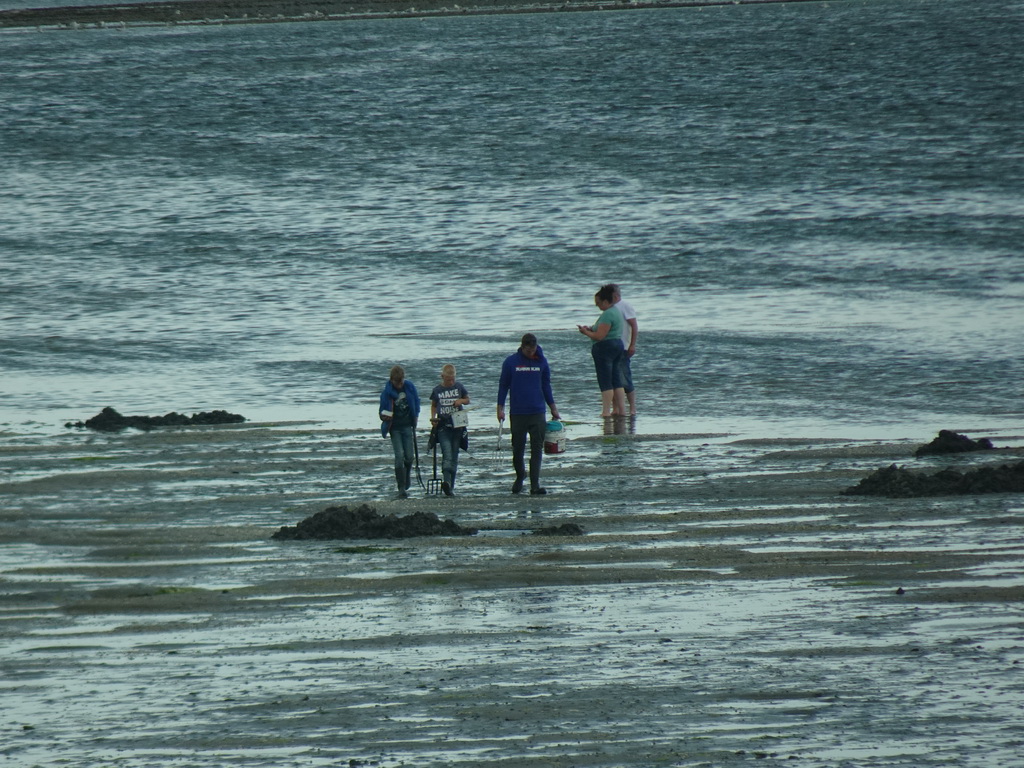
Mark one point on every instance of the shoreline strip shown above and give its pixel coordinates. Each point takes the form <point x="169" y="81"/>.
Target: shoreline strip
<point x="230" y="12"/>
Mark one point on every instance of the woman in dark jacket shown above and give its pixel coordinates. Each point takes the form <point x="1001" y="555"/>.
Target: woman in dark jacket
<point x="399" y="412"/>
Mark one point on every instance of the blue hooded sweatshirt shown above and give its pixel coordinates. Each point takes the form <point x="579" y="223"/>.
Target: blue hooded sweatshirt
<point x="528" y="381"/>
<point x="387" y="403"/>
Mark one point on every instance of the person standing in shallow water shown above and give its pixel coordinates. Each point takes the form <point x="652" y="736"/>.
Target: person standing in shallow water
<point x="607" y="350"/>
<point x="399" y="412"/>
<point x="448" y="397"/>
<point x="630" y="332"/>
<point x="526" y="382"/>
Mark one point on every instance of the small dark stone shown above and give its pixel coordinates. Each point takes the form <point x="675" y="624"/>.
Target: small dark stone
<point x="364" y="522"/>
<point x="951" y="442"/>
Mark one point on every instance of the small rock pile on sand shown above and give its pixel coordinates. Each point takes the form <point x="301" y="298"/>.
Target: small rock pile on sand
<point x="565" y="529"/>
<point x="364" y="522"/>
<point x="897" y="482"/>
<point x="950" y="442"/>
<point x="109" y="420"/>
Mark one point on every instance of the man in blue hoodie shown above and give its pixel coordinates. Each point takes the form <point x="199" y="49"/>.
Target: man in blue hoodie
<point x="526" y="381"/>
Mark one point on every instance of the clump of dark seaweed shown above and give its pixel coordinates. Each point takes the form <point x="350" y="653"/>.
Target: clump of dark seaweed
<point x="109" y="420"/>
<point x="364" y="522"/>
<point x="951" y="442"/>
<point x="897" y="482"/>
<point x="565" y="529"/>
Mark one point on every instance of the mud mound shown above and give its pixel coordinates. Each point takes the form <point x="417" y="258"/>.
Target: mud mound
<point x="109" y="420"/>
<point x="896" y="482"/>
<point x="950" y="442"/>
<point x="364" y="522"/>
<point x="565" y="529"/>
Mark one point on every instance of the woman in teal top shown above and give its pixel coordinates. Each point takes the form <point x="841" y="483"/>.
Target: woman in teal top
<point x="607" y="351"/>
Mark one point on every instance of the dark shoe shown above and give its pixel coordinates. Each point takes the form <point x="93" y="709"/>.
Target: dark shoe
<point x="538" y="491"/>
<point x="517" y="486"/>
<point x="403" y="494"/>
<point x="446" y="489"/>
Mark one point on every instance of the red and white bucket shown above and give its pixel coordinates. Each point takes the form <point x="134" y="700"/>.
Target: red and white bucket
<point x="554" y="437"/>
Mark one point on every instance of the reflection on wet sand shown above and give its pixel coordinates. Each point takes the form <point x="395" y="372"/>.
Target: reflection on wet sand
<point x="725" y="600"/>
<point x="620" y="425"/>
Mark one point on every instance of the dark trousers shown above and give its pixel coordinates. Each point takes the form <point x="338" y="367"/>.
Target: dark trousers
<point x="534" y="425"/>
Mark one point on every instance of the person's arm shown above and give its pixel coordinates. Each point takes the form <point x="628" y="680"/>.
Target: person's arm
<point x="504" y="381"/>
<point x="462" y="399"/>
<point x="634" y="331"/>
<point x="549" y="395"/>
<point x="597" y="334"/>
<point x="599" y="331"/>
<point x="414" y="398"/>
<point x="387" y="408"/>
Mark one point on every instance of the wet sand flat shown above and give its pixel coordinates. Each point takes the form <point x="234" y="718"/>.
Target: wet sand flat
<point x="726" y="605"/>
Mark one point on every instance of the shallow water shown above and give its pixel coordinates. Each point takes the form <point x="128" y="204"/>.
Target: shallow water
<point x="815" y="209"/>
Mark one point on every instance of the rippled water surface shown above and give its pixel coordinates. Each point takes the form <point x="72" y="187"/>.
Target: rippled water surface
<point x="815" y="208"/>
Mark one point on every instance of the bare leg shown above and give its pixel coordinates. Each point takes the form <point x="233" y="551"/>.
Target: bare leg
<point x="619" y="402"/>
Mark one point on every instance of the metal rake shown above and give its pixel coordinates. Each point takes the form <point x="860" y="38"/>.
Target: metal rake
<point x="497" y="445"/>
<point x="434" y="483"/>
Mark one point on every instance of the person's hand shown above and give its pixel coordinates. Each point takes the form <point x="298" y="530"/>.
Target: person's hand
<point x="501" y="413"/>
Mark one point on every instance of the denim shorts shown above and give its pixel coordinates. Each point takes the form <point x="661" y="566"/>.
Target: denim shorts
<point x="626" y="369"/>
<point x="607" y="356"/>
